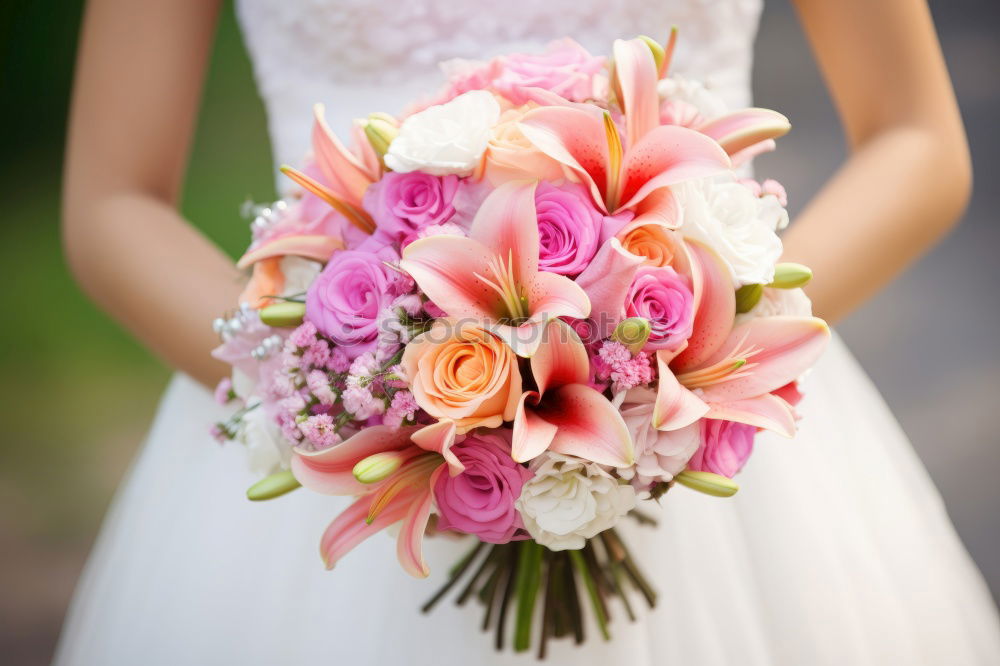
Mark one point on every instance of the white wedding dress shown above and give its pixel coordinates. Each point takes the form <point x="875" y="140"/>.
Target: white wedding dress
<point x="837" y="549"/>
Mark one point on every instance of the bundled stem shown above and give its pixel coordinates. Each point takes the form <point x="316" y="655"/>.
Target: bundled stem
<point x="518" y="576"/>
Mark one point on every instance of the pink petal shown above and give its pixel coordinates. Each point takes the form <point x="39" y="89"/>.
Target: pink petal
<point x="330" y="471"/>
<point x="764" y="411"/>
<point x="346" y="175"/>
<point x="409" y="544"/>
<point x="589" y="426"/>
<point x="560" y="359"/>
<point x="363" y="148"/>
<point x="786" y="347"/>
<point x="741" y="129"/>
<point x="350" y="528"/>
<point x="714" y="303"/>
<point x="317" y="248"/>
<point x="606" y="282"/>
<point x="523" y="339"/>
<point x="658" y="207"/>
<point x="551" y="295"/>
<point x="742" y="157"/>
<point x="445" y="268"/>
<point x="575" y="138"/>
<point x="636" y="74"/>
<point x="438" y="437"/>
<point x="506" y="224"/>
<point x="675" y="406"/>
<point x="532" y="434"/>
<point x="666" y="155"/>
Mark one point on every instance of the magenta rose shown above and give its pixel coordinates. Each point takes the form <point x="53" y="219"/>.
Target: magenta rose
<point x="404" y="203"/>
<point x="725" y="447"/>
<point x="480" y="500"/>
<point x="344" y="302"/>
<point x="663" y="297"/>
<point x="569" y="228"/>
<point x="565" y="68"/>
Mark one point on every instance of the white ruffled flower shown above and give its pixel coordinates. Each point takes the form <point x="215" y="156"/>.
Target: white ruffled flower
<point x="659" y="454"/>
<point x="779" y="302"/>
<point x="735" y="223"/>
<point x="570" y="500"/>
<point x="299" y="274"/>
<point x="447" y="138"/>
<point x="771" y="212"/>
<point x="694" y="93"/>
<point x="267" y="449"/>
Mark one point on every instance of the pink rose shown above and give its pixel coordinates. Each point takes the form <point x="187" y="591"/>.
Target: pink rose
<point x="662" y="296"/>
<point x="480" y="500"/>
<point x="565" y="68"/>
<point x="725" y="447"/>
<point x="345" y="301"/>
<point x="404" y="203"/>
<point x="569" y="228"/>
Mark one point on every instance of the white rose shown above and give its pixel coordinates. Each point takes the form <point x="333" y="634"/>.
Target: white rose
<point x="570" y="500"/>
<point x="267" y="449"/>
<point x="738" y="225"/>
<point x="694" y="93"/>
<point x="447" y="138"/>
<point x="779" y="302"/>
<point x="659" y="454"/>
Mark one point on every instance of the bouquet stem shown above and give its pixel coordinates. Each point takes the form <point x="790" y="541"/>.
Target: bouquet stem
<point x="523" y="574"/>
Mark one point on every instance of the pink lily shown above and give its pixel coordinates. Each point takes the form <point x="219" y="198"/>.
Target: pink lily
<point x="733" y="373"/>
<point x="742" y="134"/>
<point x="621" y="178"/>
<point x="493" y="274"/>
<point x="565" y="414"/>
<point x="341" y="181"/>
<point x="404" y="495"/>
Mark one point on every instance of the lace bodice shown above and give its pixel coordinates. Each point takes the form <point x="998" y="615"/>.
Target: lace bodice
<point x="358" y="56"/>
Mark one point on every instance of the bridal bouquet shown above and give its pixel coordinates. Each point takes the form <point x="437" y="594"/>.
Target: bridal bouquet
<point x="515" y="312"/>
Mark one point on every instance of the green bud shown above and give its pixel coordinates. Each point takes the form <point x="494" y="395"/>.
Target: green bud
<point x="377" y="467"/>
<point x="789" y="276"/>
<point x="633" y="333"/>
<point x="708" y="483"/>
<point x="273" y="486"/>
<point x="748" y="296"/>
<point x="381" y="129"/>
<point x="658" y="52"/>
<point x="283" y="315"/>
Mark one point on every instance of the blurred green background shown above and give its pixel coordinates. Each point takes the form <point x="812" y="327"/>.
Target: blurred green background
<point x="77" y="393"/>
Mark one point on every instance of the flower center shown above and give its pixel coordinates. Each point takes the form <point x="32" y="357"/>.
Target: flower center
<point x="504" y="283"/>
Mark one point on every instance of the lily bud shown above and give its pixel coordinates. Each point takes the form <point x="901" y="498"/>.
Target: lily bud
<point x="283" y="315"/>
<point x="748" y="296"/>
<point x="789" y="276"/>
<point x="659" y="54"/>
<point x="381" y="129"/>
<point x="633" y="333"/>
<point x="377" y="467"/>
<point x="708" y="483"/>
<point x="273" y="486"/>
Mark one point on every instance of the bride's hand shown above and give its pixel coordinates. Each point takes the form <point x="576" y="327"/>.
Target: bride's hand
<point x="135" y="99"/>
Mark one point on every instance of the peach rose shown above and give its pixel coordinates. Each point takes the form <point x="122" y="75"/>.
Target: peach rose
<point x="659" y="245"/>
<point x="510" y="156"/>
<point x="459" y="371"/>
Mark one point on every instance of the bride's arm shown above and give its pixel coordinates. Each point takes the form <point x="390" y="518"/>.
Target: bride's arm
<point x="908" y="177"/>
<point x="140" y="70"/>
